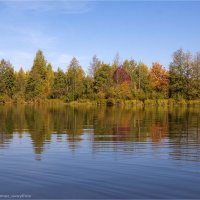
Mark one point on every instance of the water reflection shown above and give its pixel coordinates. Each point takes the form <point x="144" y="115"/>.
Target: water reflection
<point x="177" y="130"/>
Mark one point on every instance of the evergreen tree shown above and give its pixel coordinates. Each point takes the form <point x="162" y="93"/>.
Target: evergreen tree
<point x="39" y="65"/>
<point x="88" y="88"/>
<point x="59" y="87"/>
<point x="48" y="83"/>
<point x="20" y="86"/>
<point x="36" y="81"/>
<point x="75" y="78"/>
<point x="103" y="80"/>
<point x="7" y="78"/>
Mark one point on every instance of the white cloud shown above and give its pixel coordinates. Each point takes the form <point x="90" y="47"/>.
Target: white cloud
<point x="26" y="43"/>
<point x="25" y="59"/>
<point x="18" y="58"/>
<point x="21" y="41"/>
<point x="60" y="6"/>
<point x="63" y="60"/>
<point x="33" y="37"/>
<point x="66" y="58"/>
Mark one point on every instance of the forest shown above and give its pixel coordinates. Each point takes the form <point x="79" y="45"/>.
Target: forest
<point x="113" y="82"/>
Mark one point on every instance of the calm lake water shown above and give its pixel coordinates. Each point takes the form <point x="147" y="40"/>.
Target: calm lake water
<point x="64" y="152"/>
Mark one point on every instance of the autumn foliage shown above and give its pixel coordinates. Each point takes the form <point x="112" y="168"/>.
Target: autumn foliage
<point x="130" y="81"/>
<point x="159" y="78"/>
<point x="120" y="75"/>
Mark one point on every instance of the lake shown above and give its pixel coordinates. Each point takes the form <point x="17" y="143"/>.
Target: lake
<point x="63" y="152"/>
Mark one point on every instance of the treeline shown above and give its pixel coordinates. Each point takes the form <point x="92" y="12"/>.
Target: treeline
<point x="130" y="80"/>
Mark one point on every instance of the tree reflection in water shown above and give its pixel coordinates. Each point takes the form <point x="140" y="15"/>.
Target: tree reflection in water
<point x="121" y="129"/>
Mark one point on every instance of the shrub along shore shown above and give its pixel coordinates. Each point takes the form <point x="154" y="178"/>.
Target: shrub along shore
<point x="108" y="102"/>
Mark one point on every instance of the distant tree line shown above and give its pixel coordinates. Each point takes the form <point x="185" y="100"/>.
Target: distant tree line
<point x="130" y="80"/>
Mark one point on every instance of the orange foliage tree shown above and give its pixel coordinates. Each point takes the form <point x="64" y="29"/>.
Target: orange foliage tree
<point x="159" y="79"/>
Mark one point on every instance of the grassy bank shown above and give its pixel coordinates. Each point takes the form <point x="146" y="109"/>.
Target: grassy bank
<point x="137" y="103"/>
<point x="105" y="102"/>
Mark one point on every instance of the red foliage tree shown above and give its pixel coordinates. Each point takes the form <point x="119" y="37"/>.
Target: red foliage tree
<point x="120" y="75"/>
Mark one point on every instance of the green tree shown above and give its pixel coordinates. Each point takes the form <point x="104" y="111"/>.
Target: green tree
<point x="4" y="65"/>
<point x="195" y="79"/>
<point x="103" y="80"/>
<point x="7" y="78"/>
<point x="142" y="81"/>
<point x="59" y="87"/>
<point x="88" y="88"/>
<point x="39" y="65"/>
<point x="48" y="83"/>
<point x="35" y="88"/>
<point x="180" y="72"/>
<point x="130" y="67"/>
<point x="20" y="85"/>
<point x="75" y="78"/>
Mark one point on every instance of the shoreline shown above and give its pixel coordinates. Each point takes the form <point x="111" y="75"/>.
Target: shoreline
<point x="108" y="102"/>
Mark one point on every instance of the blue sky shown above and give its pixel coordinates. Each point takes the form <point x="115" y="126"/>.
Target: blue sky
<point x="145" y="31"/>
